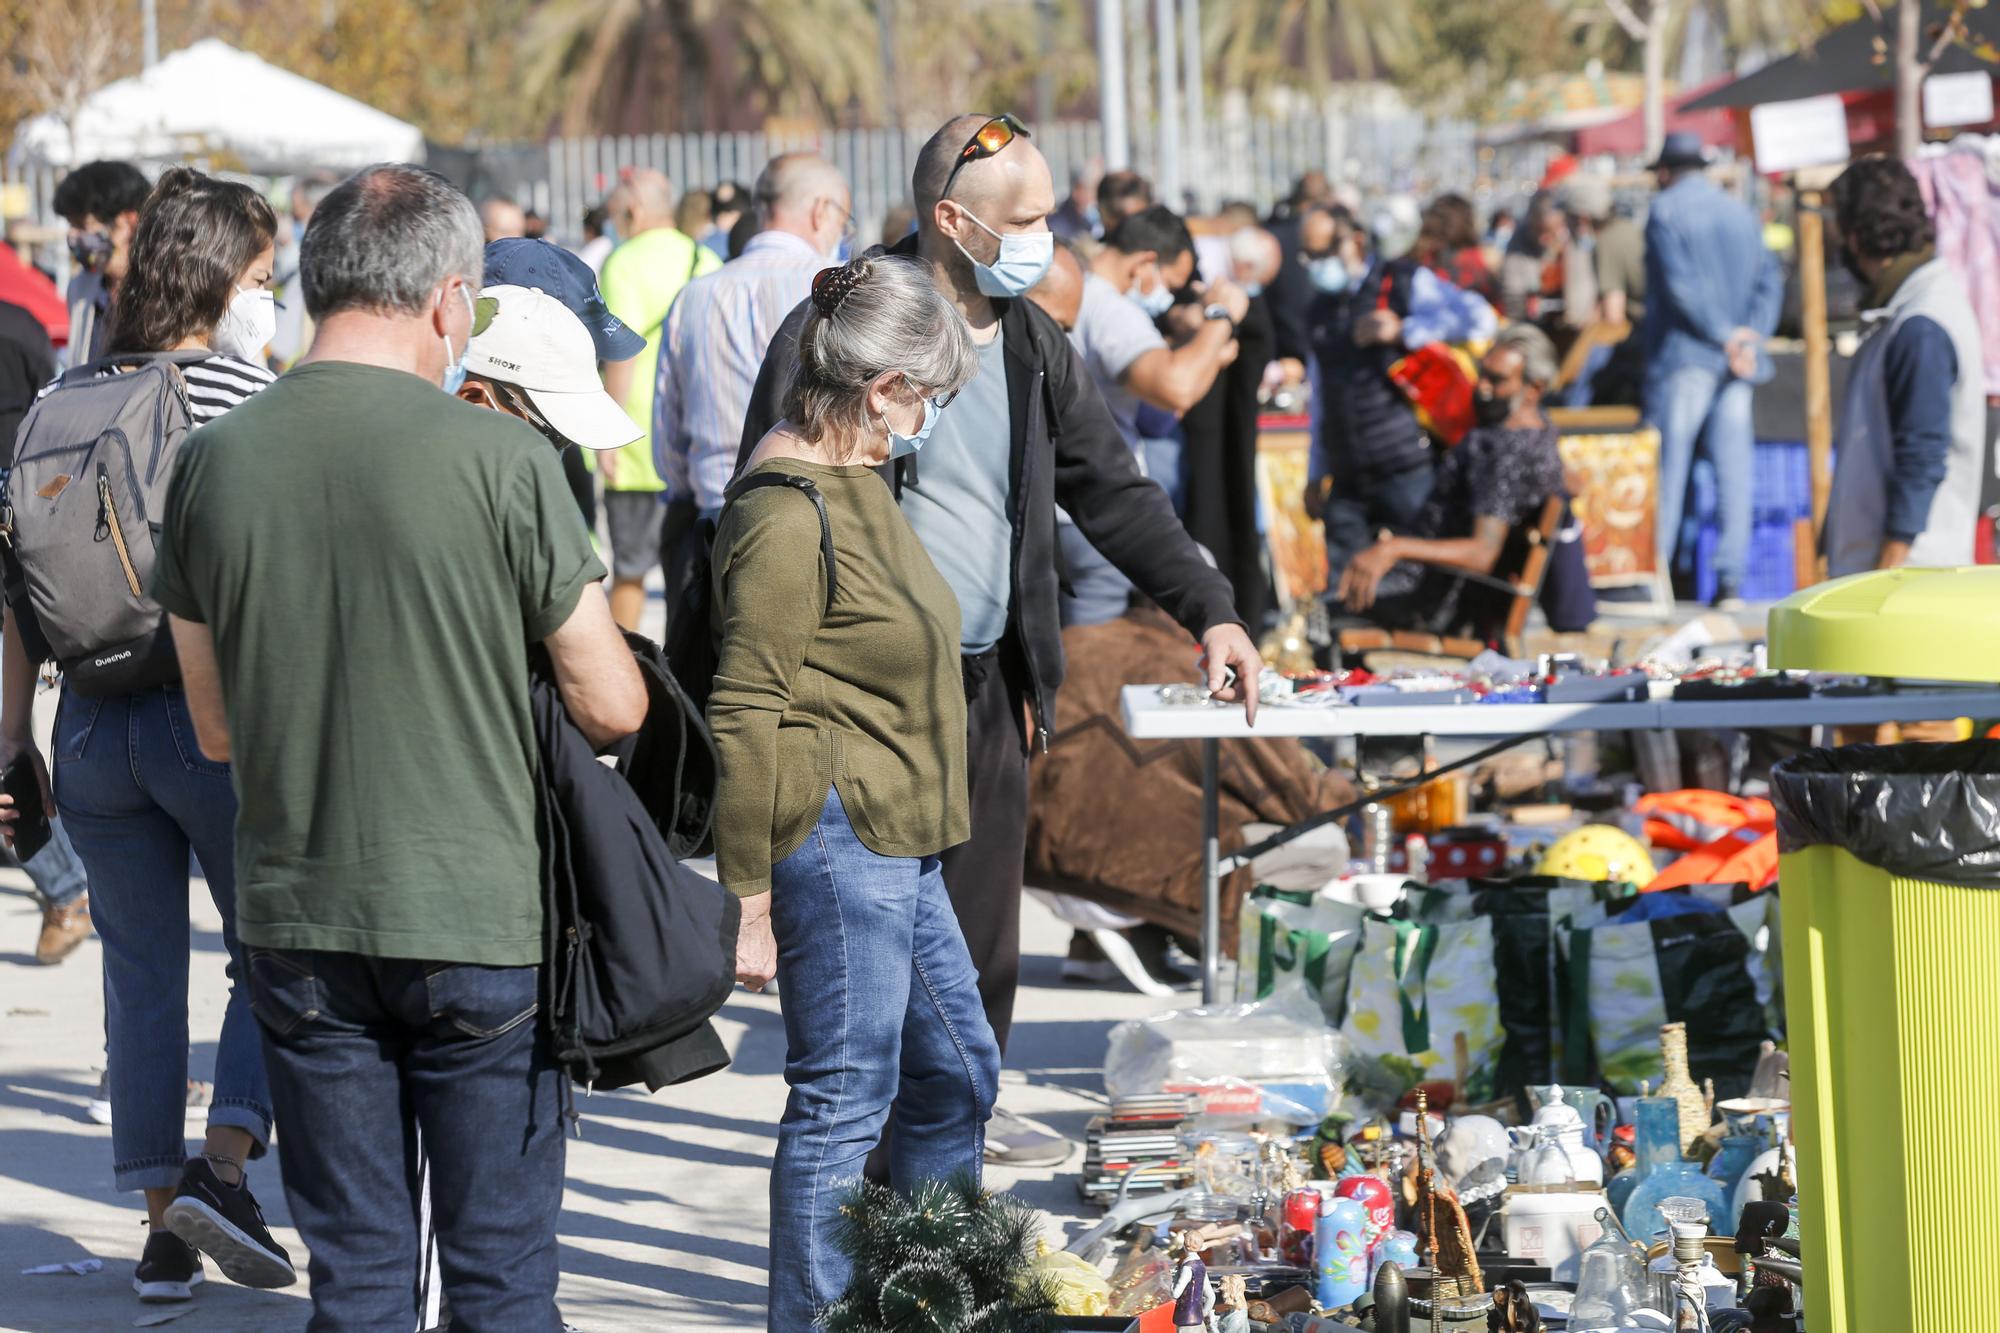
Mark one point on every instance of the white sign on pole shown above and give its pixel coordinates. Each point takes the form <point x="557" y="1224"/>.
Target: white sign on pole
<point x="1811" y="132"/>
<point x="1958" y="99"/>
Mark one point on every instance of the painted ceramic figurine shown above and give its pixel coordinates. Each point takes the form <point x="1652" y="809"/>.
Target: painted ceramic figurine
<point x="1194" y="1299"/>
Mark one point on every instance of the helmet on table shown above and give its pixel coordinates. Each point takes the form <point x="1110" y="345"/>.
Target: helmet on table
<point x="1600" y="853"/>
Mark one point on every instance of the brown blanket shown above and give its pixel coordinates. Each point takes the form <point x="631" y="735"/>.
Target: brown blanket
<point x="1118" y="821"/>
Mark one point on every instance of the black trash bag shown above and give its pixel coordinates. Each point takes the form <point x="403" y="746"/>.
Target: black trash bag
<point x="1922" y="811"/>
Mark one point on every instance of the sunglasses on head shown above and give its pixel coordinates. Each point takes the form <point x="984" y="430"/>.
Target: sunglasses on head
<point x="991" y="137"/>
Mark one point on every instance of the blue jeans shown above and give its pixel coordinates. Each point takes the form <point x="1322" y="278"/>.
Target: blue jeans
<point x="56" y="872"/>
<point x="365" y="1052"/>
<point x="880" y="997"/>
<point x="1359" y="508"/>
<point x="1694" y="406"/>
<point x="138" y="795"/>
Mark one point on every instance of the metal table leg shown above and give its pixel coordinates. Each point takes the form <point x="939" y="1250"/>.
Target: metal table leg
<point x="1211" y="881"/>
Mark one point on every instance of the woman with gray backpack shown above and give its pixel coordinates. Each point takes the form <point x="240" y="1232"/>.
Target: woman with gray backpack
<point x="77" y="529"/>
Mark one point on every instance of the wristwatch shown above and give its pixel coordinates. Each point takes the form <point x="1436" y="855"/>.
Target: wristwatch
<point x="1217" y="310"/>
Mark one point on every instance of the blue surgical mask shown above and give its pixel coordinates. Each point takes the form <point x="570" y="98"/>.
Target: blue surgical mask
<point x="1155" y="303"/>
<point x="1328" y="273"/>
<point x="454" y="362"/>
<point x="1024" y="257"/>
<point x="902" y="446"/>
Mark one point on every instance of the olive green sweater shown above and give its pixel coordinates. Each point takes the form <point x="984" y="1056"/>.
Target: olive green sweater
<point x="868" y="698"/>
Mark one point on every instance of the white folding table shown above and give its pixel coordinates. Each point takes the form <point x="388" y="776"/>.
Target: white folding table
<point x="1148" y="718"/>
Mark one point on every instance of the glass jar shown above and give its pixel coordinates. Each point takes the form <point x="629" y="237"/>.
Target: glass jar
<point x="1610" y="1285"/>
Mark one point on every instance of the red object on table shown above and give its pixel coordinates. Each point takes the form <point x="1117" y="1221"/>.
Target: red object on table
<point x="1372" y="1193"/>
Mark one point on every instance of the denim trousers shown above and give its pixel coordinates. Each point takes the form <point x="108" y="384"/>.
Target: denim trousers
<point x="1692" y="407"/>
<point x="1359" y="508"/>
<point x="138" y="795"/>
<point x="880" y="998"/>
<point x="56" y="872"/>
<point x="366" y="1054"/>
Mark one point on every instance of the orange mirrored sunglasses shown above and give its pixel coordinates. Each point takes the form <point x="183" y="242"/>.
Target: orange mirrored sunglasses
<point x="991" y="137"/>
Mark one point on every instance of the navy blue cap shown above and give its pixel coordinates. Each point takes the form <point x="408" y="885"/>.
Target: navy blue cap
<point x="519" y="262"/>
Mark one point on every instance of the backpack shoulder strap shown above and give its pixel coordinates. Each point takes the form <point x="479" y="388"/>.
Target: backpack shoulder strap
<point x="759" y="480"/>
<point x="91" y="370"/>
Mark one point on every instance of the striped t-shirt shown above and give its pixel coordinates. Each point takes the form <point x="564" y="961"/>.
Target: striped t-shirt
<point x="215" y="384"/>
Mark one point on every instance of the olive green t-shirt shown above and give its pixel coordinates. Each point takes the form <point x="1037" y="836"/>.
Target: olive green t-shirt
<point x="373" y="558"/>
<point x="868" y="697"/>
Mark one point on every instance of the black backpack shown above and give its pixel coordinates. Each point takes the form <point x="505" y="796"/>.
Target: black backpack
<point x="691" y="631"/>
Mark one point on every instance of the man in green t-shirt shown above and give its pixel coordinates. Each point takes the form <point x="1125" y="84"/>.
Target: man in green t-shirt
<point x="355" y="573"/>
<point x="640" y="280"/>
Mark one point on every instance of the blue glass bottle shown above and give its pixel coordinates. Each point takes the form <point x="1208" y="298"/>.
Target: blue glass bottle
<point x="1737" y="1153"/>
<point x="1656" y="1141"/>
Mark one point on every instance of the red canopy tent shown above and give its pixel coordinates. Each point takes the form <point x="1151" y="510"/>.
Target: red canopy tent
<point x="1626" y="136"/>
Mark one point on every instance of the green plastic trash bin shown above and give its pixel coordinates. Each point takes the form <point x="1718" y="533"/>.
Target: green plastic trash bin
<point x="1891" y="881"/>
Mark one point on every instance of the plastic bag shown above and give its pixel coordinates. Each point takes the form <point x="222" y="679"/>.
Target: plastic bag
<point x="1274" y="1059"/>
<point x="1415" y="989"/>
<point x="1922" y="811"/>
<point x="1297" y="938"/>
<point x="1080" y="1288"/>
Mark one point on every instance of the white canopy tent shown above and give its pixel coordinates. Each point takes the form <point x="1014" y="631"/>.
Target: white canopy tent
<point x="212" y="100"/>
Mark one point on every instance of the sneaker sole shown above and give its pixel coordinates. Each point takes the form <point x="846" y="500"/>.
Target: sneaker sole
<point x="240" y="1258"/>
<point x="167" y="1293"/>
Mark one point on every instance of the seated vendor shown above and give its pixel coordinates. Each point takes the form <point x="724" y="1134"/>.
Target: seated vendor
<point x="1490" y="492"/>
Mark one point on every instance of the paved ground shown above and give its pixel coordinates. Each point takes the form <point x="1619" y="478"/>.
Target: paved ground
<point x="664" y="1222"/>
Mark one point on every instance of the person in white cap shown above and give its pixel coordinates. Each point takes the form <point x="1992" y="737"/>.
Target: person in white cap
<point x="532" y="358"/>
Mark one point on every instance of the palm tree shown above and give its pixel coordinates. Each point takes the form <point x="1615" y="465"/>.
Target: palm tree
<point x="1286" y="39"/>
<point x="592" y="59"/>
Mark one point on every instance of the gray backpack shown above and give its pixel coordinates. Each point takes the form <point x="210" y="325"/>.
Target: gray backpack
<point x="81" y="516"/>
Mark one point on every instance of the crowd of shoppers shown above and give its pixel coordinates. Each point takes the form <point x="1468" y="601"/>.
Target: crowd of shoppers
<point x="890" y="481"/>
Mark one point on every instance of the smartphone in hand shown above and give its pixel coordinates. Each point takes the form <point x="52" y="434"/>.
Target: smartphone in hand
<point x="31" y="830"/>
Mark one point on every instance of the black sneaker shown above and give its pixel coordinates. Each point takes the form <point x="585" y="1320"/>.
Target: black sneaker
<point x="224" y="1223"/>
<point x="168" y="1271"/>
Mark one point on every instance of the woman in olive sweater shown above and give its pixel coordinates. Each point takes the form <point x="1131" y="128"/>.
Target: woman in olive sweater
<point x="841" y="729"/>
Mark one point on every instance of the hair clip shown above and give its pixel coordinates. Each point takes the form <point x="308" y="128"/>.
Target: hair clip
<point x="831" y="286"/>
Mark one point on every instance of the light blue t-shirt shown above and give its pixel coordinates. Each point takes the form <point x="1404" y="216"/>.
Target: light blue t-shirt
<point x="959" y="506"/>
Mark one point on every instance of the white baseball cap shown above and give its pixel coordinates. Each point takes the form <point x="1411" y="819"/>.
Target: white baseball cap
<point x="535" y="342"/>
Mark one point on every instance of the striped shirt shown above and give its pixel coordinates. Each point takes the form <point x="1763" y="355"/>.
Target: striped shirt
<point x="215" y="384"/>
<point x="717" y="333"/>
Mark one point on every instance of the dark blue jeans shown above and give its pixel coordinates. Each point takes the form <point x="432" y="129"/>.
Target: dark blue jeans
<point x="1361" y="507"/>
<point x="365" y="1052"/>
<point x="138" y="795"/>
<point x="880" y="998"/>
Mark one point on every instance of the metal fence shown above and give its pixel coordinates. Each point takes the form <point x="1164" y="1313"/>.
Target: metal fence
<point x="1239" y="157"/>
<point x="1251" y="158"/>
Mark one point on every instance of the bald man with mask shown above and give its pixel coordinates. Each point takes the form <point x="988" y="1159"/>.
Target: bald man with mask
<point x="640" y="280"/>
<point x="1028" y="433"/>
<point x="716" y="336"/>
